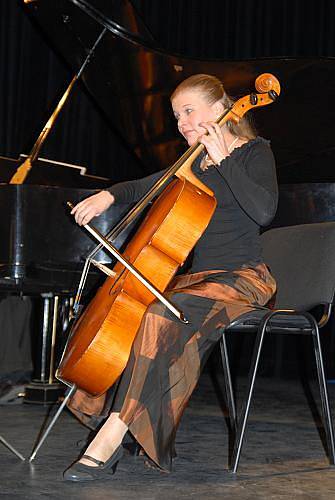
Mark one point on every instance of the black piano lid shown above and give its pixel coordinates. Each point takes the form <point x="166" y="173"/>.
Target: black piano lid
<point x="131" y="81"/>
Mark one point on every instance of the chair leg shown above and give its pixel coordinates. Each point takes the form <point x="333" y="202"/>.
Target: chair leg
<point x="251" y="382"/>
<point x="229" y="394"/>
<point x="228" y="383"/>
<point x="327" y="419"/>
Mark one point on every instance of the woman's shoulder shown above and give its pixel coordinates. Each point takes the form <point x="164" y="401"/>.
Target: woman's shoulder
<point x="257" y="142"/>
<point x="256" y="152"/>
<point x="257" y="145"/>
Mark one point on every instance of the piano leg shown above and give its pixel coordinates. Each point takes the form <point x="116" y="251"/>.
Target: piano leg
<point x="44" y="389"/>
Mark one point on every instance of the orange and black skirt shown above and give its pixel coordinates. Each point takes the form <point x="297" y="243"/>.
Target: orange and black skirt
<point x="168" y="355"/>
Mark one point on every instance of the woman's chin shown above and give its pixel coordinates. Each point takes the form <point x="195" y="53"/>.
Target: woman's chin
<point x="191" y="140"/>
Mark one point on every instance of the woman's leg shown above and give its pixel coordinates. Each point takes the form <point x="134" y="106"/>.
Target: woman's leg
<point x="107" y="440"/>
<point x="166" y="362"/>
<point x="156" y="383"/>
<point x="111" y="434"/>
<point x="171" y="338"/>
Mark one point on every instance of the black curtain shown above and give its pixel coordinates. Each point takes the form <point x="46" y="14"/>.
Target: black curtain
<point x="32" y="80"/>
<point x="33" y="77"/>
<point x="242" y="29"/>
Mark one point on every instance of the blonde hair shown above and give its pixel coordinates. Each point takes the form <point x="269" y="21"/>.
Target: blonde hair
<point x="212" y="90"/>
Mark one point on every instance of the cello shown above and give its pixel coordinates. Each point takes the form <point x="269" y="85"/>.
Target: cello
<point x="101" y="339"/>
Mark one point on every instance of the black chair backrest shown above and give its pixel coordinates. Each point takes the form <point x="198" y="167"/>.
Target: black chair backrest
<point x="302" y="260"/>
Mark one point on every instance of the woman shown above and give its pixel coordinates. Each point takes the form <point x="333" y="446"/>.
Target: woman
<point x="227" y="277"/>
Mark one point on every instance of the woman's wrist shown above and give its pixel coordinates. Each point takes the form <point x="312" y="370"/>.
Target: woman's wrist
<point x="109" y="196"/>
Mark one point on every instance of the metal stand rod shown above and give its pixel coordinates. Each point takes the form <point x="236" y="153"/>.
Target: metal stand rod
<point x="3" y="441"/>
<point x="52" y="423"/>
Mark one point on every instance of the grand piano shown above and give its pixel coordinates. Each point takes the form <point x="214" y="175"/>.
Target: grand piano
<point x="130" y="79"/>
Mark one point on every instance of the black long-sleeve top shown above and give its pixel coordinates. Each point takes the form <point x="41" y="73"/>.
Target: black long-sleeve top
<point x="245" y="187"/>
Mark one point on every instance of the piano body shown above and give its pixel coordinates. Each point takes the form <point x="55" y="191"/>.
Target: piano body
<point x="43" y="252"/>
<point x="44" y="248"/>
<point x="130" y="80"/>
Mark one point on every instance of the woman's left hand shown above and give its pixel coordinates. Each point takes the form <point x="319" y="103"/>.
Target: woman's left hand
<point x="214" y="142"/>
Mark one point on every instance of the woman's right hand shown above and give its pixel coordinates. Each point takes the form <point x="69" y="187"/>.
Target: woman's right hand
<point x="92" y="207"/>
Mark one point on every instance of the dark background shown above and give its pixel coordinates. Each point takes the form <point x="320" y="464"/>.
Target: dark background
<point x="33" y="77"/>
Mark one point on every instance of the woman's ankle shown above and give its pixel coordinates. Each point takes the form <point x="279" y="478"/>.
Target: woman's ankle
<point x="107" y="440"/>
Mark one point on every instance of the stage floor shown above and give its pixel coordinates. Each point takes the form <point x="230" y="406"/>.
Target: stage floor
<point x="282" y="456"/>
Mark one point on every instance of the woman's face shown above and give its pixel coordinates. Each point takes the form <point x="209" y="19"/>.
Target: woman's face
<point x="190" y="109"/>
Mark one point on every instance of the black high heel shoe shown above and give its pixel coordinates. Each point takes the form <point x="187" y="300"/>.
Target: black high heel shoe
<point x="104" y="470"/>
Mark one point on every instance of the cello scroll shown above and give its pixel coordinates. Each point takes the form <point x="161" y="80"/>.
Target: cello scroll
<point x="269" y="89"/>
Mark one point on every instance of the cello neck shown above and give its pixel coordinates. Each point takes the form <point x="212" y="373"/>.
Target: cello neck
<point x="185" y="171"/>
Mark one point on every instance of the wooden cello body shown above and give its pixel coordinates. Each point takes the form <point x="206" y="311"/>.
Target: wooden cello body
<point x="101" y="339"/>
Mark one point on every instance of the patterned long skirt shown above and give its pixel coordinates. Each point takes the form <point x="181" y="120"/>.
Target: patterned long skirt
<point x="167" y="356"/>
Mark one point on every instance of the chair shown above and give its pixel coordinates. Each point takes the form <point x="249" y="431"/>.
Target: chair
<point x="302" y="260"/>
